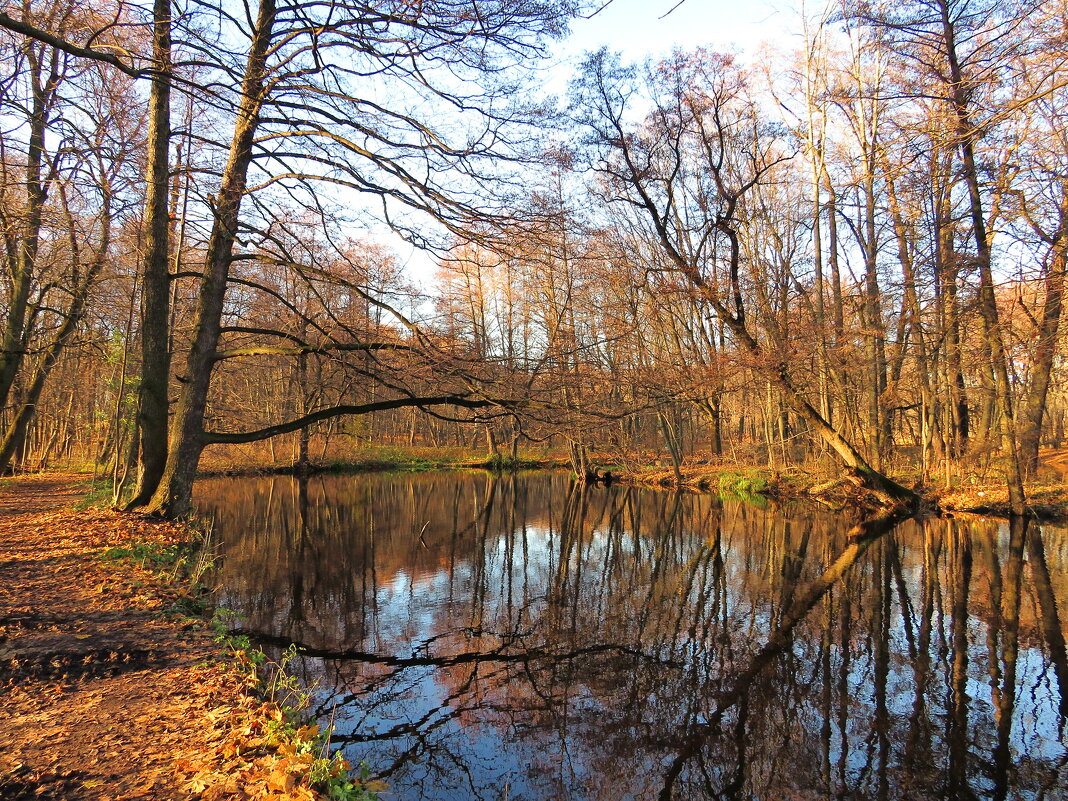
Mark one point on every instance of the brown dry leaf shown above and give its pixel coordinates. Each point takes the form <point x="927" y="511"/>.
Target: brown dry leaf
<point x="130" y="686"/>
<point x="281" y="781"/>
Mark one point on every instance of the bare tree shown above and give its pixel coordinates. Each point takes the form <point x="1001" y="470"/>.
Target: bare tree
<point x="688" y="173"/>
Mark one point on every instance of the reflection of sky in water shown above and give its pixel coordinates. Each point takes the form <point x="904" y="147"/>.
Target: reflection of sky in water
<point x="534" y="578"/>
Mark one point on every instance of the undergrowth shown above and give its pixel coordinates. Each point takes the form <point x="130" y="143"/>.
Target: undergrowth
<point x="180" y="566"/>
<point x="299" y="745"/>
<point x="303" y="744"/>
<point x="745" y="484"/>
<point x="98" y="494"/>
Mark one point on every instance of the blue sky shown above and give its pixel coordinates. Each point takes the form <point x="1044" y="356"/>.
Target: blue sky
<point x="639" y="28"/>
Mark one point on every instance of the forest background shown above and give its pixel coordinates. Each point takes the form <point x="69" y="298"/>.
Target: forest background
<point x="846" y="252"/>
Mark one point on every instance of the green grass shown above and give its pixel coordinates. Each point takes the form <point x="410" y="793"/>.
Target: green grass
<point x="746" y="483"/>
<point x="98" y="494"/>
<point x="148" y="554"/>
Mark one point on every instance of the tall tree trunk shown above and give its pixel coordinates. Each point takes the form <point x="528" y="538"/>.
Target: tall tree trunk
<point x="875" y="336"/>
<point x="671" y="440"/>
<point x="930" y="431"/>
<point x="173" y="495"/>
<point x="832" y="257"/>
<point x="493" y="451"/>
<point x="14" y="338"/>
<point x="155" y="295"/>
<point x="958" y="422"/>
<point x="988" y="308"/>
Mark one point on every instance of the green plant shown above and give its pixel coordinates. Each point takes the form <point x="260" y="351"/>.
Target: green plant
<point x="750" y="483"/>
<point x="240" y="645"/>
<point x="151" y="555"/>
<point x="289" y="734"/>
<point x="338" y="785"/>
<point x="180" y="565"/>
<point x="98" y="495"/>
<point x="189" y="606"/>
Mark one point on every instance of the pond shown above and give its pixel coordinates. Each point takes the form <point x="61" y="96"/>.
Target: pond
<point x="527" y="638"/>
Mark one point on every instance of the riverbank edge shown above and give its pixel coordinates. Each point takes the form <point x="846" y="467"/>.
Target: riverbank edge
<point x="282" y="751"/>
<point x="255" y="740"/>
<point x="379" y="465"/>
<point x="1047" y="501"/>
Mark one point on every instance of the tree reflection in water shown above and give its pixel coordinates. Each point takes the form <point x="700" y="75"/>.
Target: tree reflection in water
<point x="525" y="637"/>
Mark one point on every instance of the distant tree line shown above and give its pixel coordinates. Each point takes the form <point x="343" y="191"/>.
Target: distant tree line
<point x="852" y="253"/>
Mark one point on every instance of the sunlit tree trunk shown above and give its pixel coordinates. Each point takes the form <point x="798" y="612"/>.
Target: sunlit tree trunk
<point x="172" y="496"/>
<point x="44" y="74"/>
<point x="152" y="412"/>
<point x="1033" y="407"/>
<point x="966" y="136"/>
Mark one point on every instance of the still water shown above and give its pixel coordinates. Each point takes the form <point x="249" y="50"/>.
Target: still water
<point x="526" y="638"/>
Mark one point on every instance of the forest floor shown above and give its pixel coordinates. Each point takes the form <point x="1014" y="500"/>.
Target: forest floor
<point x="106" y="690"/>
<point x="1047" y="494"/>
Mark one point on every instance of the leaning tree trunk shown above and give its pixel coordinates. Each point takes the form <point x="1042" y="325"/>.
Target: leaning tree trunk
<point x="173" y="495"/>
<point x="888" y="491"/>
<point x="14" y="337"/>
<point x="1034" y="403"/>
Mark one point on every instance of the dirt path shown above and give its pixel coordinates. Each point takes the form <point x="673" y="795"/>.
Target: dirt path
<point x="100" y="695"/>
<point x="1057" y="458"/>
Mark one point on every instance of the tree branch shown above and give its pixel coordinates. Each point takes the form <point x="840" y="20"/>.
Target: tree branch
<point x="33" y="32"/>
<point x="349" y="409"/>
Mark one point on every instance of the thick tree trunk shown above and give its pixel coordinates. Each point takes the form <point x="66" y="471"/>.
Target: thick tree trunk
<point x="714" y="414"/>
<point x="671" y="440"/>
<point x="493" y="451"/>
<point x="173" y="495"/>
<point x="155" y="295"/>
<point x="957" y="422"/>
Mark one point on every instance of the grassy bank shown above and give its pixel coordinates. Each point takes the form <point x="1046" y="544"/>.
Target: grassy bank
<point x="387" y="459"/>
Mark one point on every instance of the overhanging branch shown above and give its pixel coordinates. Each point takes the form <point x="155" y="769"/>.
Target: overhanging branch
<point x="281" y="350"/>
<point x="33" y="32"/>
<point x="464" y="401"/>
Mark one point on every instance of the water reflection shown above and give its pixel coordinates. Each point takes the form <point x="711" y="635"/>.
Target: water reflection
<point x="528" y="638"/>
